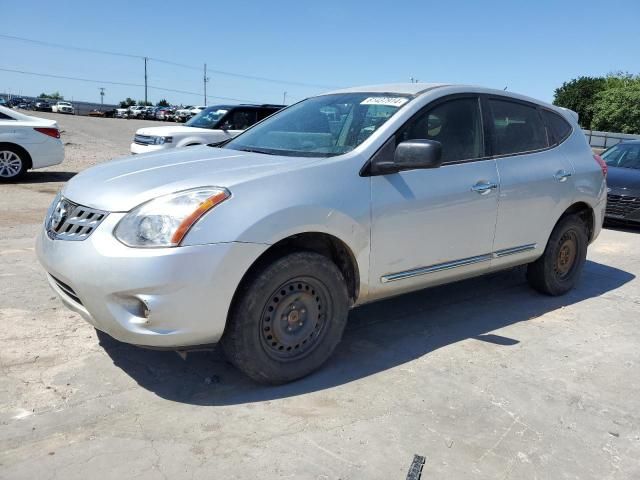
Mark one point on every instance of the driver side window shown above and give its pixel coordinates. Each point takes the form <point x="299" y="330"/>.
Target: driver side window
<point x="242" y="119"/>
<point x="456" y="124"/>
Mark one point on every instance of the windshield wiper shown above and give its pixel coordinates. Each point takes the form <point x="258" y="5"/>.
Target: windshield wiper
<point x="254" y="150"/>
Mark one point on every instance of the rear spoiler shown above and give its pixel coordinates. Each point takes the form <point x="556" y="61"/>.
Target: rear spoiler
<point x="573" y="114"/>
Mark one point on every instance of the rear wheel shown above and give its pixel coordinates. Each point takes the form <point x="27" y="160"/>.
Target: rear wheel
<point x="288" y="318"/>
<point x="13" y="165"/>
<point x="559" y="268"/>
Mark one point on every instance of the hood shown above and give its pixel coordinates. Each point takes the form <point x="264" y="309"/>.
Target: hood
<point x="171" y="130"/>
<point x="120" y="185"/>
<point x="624" y="181"/>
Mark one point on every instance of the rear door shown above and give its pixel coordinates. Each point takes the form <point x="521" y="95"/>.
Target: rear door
<point x="535" y="178"/>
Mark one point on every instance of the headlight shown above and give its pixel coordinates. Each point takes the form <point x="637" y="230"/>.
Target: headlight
<point x="164" y="221"/>
<point x="162" y="140"/>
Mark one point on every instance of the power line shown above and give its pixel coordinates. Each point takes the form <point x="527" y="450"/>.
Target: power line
<point x="124" y="84"/>
<point x="168" y="62"/>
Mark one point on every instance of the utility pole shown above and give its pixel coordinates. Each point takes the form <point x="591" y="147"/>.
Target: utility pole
<point x="284" y="98"/>
<point x="101" y="96"/>
<point x="206" y="79"/>
<point x="145" y="80"/>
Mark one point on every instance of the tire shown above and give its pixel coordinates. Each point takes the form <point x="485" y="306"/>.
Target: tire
<point x="558" y="269"/>
<point x="308" y="295"/>
<point x="13" y="164"/>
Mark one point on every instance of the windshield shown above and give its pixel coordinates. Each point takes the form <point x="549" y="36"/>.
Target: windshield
<point x="623" y="155"/>
<point x="321" y="126"/>
<point x="207" y="118"/>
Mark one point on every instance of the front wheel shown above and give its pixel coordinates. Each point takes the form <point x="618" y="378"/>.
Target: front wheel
<point x="558" y="269"/>
<point x="287" y="319"/>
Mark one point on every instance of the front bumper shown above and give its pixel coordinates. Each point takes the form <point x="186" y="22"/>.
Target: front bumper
<point x="138" y="148"/>
<point x="623" y="208"/>
<point x="158" y="297"/>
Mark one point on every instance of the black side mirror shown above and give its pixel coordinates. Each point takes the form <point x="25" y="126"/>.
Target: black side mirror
<point x="418" y="154"/>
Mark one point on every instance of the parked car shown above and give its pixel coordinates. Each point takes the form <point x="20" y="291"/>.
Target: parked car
<point x="214" y="124"/>
<point x="42" y="105"/>
<point x="102" y="113"/>
<point x="196" y="110"/>
<point x="4" y="103"/>
<point x="16" y="102"/>
<point x="136" y="111"/>
<point x="623" y="181"/>
<point x="263" y="244"/>
<point x="63" y="107"/>
<point x="164" y="113"/>
<point x="121" y="112"/>
<point x="27" y="143"/>
<point x="183" y="114"/>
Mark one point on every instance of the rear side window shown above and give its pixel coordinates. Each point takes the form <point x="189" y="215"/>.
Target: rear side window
<point x="455" y="124"/>
<point x="558" y="128"/>
<point x="517" y="128"/>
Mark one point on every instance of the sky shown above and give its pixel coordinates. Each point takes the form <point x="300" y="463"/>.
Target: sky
<point x="530" y="47"/>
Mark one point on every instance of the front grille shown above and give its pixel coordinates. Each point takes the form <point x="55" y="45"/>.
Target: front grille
<point x="143" y="139"/>
<point x="70" y="221"/>
<point x="70" y="292"/>
<point x="621" y="205"/>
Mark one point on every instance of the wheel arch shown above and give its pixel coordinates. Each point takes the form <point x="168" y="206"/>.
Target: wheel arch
<point x="325" y="244"/>
<point x="21" y="150"/>
<point x="586" y="213"/>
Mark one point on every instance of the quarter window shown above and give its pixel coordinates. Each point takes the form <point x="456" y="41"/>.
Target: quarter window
<point x="558" y="128"/>
<point x="4" y="116"/>
<point x="455" y="124"/>
<point x="517" y="128"/>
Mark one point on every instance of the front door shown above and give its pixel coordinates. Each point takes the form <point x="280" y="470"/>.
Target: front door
<point x="431" y="226"/>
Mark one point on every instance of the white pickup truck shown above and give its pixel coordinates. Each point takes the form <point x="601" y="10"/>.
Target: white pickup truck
<point x="212" y="125"/>
<point x="63" y="107"/>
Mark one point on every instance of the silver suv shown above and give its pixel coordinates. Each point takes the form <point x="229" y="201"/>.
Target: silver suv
<point x="264" y="243"/>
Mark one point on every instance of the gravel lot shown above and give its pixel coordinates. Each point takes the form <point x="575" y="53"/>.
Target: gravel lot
<point x="485" y="378"/>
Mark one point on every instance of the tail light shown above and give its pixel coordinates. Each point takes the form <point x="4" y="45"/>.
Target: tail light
<point x="51" y="132"/>
<point x="602" y="164"/>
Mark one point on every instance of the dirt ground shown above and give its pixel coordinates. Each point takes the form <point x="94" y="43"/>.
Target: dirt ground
<point x="485" y="378"/>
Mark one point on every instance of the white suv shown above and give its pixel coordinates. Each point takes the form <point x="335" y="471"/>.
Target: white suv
<point x="212" y="125"/>
<point x="342" y="199"/>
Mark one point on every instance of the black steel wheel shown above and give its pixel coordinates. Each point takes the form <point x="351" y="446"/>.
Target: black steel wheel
<point x="287" y="318"/>
<point x="558" y="269"/>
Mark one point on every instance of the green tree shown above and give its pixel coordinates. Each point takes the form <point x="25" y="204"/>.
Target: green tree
<point x="53" y="96"/>
<point x="128" y="102"/>
<point x="144" y="104"/>
<point x="579" y="95"/>
<point x="617" y="109"/>
<point x="162" y="103"/>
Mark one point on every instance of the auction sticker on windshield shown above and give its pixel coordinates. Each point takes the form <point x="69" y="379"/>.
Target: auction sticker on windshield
<point x="390" y="101"/>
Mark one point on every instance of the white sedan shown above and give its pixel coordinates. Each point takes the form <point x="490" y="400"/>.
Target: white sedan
<point x="26" y="143"/>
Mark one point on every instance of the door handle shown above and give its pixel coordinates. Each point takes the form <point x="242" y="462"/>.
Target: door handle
<point x="561" y="176"/>
<point x="484" y="188"/>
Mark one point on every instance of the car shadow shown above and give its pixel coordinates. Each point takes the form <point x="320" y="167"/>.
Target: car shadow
<point x="47" y="177"/>
<point x="379" y="336"/>
<point x="622" y="227"/>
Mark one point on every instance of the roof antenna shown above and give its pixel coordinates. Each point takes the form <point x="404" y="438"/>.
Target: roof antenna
<point x="504" y="88"/>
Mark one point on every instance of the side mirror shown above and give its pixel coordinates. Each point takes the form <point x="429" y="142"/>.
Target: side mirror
<point x="226" y="126"/>
<point x="418" y="154"/>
